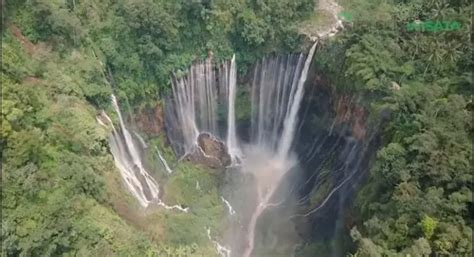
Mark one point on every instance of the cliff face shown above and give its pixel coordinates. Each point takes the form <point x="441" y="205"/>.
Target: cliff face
<point x="341" y="112"/>
<point x="350" y="113"/>
<point x="335" y="146"/>
<point x="150" y="120"/>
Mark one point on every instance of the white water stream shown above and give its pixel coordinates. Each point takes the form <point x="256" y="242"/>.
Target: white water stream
<point x="142" y="141"/>
<point x="141" y="184"/>
<point x="163" y="162"/>
<point x="229" y="207"/>
<point x="291" y="118"/>
<point x="128" y="161"/>
<point x="232" y="143"/>
<point x="220" y="249"/>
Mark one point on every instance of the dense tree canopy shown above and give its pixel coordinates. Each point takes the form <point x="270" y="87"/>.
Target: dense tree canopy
<point x="140" y="42"/>
<point x="61" y="62"/>
<point x="57" y="170"/>
<point x="418" y="197"/>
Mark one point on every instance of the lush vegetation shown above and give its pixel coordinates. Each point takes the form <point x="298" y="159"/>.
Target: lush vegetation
<point x="418" y="197"/>
<point x="141" y="42"/>
<point x="55" y="161"/>
<point x="61" y="194"/>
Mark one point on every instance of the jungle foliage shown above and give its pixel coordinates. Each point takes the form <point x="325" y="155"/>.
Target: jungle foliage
<point x="54" y="161"/>
<point x="57" y="194"/>
<point x="141" y="42"/>
<point x="62" y="59"/>
<point x="417" y="199"/>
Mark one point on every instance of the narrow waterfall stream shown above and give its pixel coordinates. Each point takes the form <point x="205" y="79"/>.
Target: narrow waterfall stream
<point x="232" y="143"/>
<point x="128" y="160"/>
<point x="164" y="162"/>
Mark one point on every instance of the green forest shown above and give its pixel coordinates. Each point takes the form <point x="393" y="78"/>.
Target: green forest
<point x="62" y="60"/>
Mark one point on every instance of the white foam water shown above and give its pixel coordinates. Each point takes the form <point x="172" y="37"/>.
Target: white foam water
<point x="229" y="207"/>
<point x="163" y="162"/>
<point x="220" y="249"/>
<point x="128" y="161"/>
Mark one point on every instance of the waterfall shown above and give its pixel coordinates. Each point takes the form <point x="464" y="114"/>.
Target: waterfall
<point x="195" y="102"/>
<point x="277" y="92"/>
<point x="128" y="161"/>
<point x="276" y="95"/>
<point x="196" y="97"/>
<point x="232" y="144"/>
<point x="291" y="118"/>
<point x="163" y="162"/>
<point x="184" y="100"/>
<point x="221" y="250"/>
<point x="141" y="140"/>
<point x="229" y="207"/>
<point x="273" y="88"/>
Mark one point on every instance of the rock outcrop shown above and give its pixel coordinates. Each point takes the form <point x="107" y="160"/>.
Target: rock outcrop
<point x="210" y="152"/>
<point x="150" y="120"/>
<point x="337" y="112"/>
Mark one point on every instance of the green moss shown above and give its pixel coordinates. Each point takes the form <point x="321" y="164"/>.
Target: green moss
<point x="203" y="200"/>
<point x="243" y="104"/>
<point x="320" y="194"/>
<point x="325" y="180"/>
<point x="205" y="209"/>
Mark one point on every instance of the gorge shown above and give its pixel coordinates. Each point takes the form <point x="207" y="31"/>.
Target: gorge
<point x="276" y="95"/>
<point x="236" y="128"/>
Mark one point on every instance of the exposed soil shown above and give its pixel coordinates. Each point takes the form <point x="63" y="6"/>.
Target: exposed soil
<point x="29" y="47"/>
<point x="32" y="80"/>
<point x="150" y="120"/>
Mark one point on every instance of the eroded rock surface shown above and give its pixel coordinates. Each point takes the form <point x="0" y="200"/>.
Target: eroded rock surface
<point x="150" y="120"/>
<point x="210" y="152"/>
